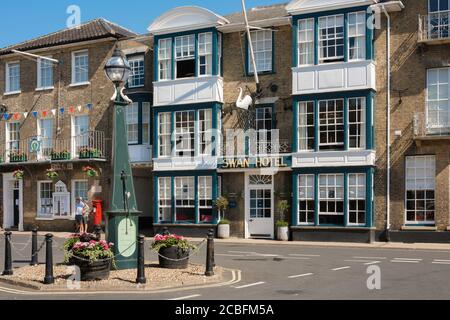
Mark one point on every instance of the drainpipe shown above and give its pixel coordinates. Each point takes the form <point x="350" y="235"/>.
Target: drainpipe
<point x="388" y="129"/>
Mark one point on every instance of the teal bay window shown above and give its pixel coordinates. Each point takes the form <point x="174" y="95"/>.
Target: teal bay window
<point x="186" y="131"/>
<point x="188" y="55"/>
<point x="333" y="197"/>
<point x="334" y="122"/>
<point x="339" y="36"/>
<point x="186" y="198"/>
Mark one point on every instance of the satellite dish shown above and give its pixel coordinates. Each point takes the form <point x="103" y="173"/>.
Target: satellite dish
<point x="243" y="102"/>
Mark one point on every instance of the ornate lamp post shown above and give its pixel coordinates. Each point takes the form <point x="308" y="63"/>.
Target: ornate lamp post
<point x="122" y="217"/>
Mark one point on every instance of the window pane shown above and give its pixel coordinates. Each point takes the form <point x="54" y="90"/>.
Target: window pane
<point x="262" y="47"/>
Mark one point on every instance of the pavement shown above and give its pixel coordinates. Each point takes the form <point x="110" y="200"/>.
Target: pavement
<point x="272" y="270"/>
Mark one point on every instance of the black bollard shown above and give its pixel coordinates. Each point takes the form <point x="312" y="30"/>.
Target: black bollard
<point x="141" y="261"/>
<point x="34" y="243"/>
<point x="49" y="279"/>
<point x="166" y="231"/>
<point x="210" y="255"/>
<point x="8" y="259"/>
<point x="98" y="232"/>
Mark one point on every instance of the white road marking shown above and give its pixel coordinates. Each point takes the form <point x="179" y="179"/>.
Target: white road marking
<point x="366" y="262"/>
<point x="371" y="258"/>
<point x="250" y="285"/>
<point x="342" y="268"/>
<point x="295" y="258"/>
<point x="405" y="261"/>
<point x="438" y="260"/>
<point x="242" y="252"/>
<point x="265" y="255"/>
<point x="186" y="298"/>
<point x="408" y="259"/>
<point x="371" y="263"/>
<point x="229" y="255"/>
<point x="441" y="262"/>
<point x="304" y="255"/>
<point x="301" y="275"/>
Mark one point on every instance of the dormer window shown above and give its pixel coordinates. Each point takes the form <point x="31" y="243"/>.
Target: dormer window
<point x="185" y="56"/>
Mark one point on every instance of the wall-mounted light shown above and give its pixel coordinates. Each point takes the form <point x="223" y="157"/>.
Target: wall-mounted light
<point x="400" y="95"/>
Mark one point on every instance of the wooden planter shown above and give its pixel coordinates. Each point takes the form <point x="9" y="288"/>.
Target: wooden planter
<point x="92" y="271"/>
<point x="173" y="253"/>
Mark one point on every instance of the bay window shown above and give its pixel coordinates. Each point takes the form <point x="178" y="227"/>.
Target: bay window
<point x="185" y="56"/>
<point x="262" y="41"/>
<point x="331" y="38"/>
<point x="331" y="199"/>
<point x="357" y="123"/>
<point x="205" y="128"/>
<point x="420" y="189"/>
<point x="165" y="59"/>
<point x="306" y="199"/>
<point x="205" y="54"/>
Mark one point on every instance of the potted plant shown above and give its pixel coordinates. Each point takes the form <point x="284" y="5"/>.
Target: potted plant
<point x="52" y="174"/>
<point x="89" y="153"/>
<point x="282" y="224"/>
<point x="18" y="156"/>
<point x="63" y="155"/>
<point x="90" y="172"/>
<point x="173" y="251"/>
<point x="93" y="256"/>
<point x="18" y="174"/>
<point x="223" y="230"/>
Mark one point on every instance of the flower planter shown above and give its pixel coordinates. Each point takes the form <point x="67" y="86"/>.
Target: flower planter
<point x="173" y="253"/>
<point x="60" y="156"/>
<point x="16" y="159"/>
<point x="92" y="271"/>
<point x="89" y="154"/>
<point x="283" y="233"/>
<point x="223" y="231"/>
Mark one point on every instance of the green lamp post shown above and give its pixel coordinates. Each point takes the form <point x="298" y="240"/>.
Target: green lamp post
<point x="123" y="216"/>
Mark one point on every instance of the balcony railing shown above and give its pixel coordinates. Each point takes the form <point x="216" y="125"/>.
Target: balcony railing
<point x="434" y="27"/>
<point x="432" y="124"/>
<point x="90" y="145"/>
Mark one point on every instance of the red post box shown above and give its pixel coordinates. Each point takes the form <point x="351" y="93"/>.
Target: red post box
<point x="98" y="212"/>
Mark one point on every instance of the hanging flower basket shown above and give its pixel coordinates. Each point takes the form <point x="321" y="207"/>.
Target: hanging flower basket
<point x="18" y="174"/>
<point x="90" y="172"/>
<point x="52" y="174"/>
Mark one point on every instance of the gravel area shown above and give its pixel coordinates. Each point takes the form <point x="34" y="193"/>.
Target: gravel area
<point x="157" y="278"/>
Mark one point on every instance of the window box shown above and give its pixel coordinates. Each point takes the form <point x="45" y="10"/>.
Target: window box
<point x="60" y="156"/>
<point x="18" y="157"/>
<point x="90" y="153"/>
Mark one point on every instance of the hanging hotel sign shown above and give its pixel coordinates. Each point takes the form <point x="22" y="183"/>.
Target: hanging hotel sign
<point x="257" y="162"/>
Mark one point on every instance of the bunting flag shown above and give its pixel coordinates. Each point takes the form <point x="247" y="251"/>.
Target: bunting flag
<point x="46" y="113"/>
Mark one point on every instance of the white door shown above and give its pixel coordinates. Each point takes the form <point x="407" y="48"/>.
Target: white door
<point x="259" y="206"/>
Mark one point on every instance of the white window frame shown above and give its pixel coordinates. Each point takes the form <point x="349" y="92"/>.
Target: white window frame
<point x="132" y="120"/>
<point x="186" y="132"/>
<point x="328" y="21"/>
<point x="44" y="65"/>
<point x="165" y="197"/>
<point x="442" y="103"/>
<point x="427" y="183"/>
<point x="205" y="50"/>
<point x="338" y="193"/>
<point x="39" y="199"/>
<point x="303" y="126"/>
<point x="357" y="192"/>
<point x="263" y="52"/>
<point x="8" y="136"/>
<point x="306" y="193"/>
<point x="205" y="132"/>
<point x="357" y="31"/>
<point x="137" y="64"/>
<point x="205" y="186"/>
<point x="45" y="137"/>
<point x="306" y="42"/>
<point x="185" y="43"/>
<point x="330" y="122"/>
<point x="187" y="198"/>
<point x="164" y="134"/>
<point x="8" y="67"/>
<point x="146" y="112"/>
<point x="165" y="59"/>
<point x="75" y="54"/>
<point x="73" y="196"/>
<point x="360" y="123"/>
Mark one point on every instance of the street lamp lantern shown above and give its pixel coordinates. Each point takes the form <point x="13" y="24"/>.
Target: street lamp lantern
<point x="118" y="68"/>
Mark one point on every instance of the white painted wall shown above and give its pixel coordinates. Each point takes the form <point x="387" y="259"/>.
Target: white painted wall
<point x="333" y="77"/>
<point x="140" y="153"/>
<point x="333" y="159"/>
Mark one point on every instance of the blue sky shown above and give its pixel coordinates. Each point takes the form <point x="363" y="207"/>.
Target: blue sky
<point x="22" y="21"/>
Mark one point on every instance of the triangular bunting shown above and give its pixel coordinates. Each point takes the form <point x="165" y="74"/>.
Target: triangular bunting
<point x="79" y="108"/>
<point x="35" y="114"/>
<point x="62" y="109"/>
<point x="25" y="115"/>
<point x="54" y="112"/>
